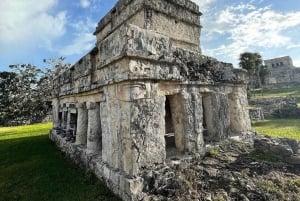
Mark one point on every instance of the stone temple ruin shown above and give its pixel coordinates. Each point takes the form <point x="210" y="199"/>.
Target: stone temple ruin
<point x="283" y="73"/>
<point x="145" y="94"/>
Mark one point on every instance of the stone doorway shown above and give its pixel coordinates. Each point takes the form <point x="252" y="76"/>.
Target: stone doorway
<point x="65" y="119"/>
<point x="174" y="140"/>
<point x="73" y="122"/>
<point x="169" y="128"/>
<point x="206" y="116"/>
<point x="60" y="116"/>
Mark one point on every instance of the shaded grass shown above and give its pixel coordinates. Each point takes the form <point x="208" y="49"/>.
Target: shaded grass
<point x="32" y="169"/>
<point x="289" y="128"/>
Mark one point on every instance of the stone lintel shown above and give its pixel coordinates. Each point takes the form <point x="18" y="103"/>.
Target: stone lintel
<point x="72" y="110"/>
<point x="81" y="105"/>
<point x="91" y="105"/>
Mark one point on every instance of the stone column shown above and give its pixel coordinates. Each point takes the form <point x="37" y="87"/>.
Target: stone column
<point x="216" y="116"/>
<point x="55" y="110"/>
<point x="239" y="114"/>
<point x="94" y="142"/>
<point x="192" y="118"/>
<point x="64" y="120"/>
<point x="68" y="126"/>
<point x="82" y="124"/>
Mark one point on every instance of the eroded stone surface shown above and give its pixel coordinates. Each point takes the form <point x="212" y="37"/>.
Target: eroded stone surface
<point x="284" y="149"/>
<point x="144" y="94"/>
<point x="231" y="171"/>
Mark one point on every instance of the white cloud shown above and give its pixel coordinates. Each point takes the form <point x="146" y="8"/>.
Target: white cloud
<point x="248" y="28"/>
<point x="296" y="63"/>
<point x="83" y="40"/>
<point x="292" y="46"/>
<point x="85" y="3"/>
<point x="26" y="22"/>
<point x="82" y="43"/>
<point x="203" y="4"/>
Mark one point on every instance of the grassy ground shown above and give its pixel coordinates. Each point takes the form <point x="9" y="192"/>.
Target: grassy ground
<point x="32" y="169"/>
<point x="279" y="127"/>
<point x="289" y="128"/>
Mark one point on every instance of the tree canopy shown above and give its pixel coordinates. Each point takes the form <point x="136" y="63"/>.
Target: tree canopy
<point x="8" y="88"/>
<point x="25" y="92"/>
<point x="253" y="63"/>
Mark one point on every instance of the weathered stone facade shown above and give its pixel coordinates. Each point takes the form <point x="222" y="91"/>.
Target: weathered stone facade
<point x="145" y="93"/>
<point x="283" y="73"/>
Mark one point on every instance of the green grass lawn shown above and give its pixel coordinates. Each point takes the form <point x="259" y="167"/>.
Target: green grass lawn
<point x="289" y="128"/>
<point x="32" y="169"/>
<point x="279" y="127"/>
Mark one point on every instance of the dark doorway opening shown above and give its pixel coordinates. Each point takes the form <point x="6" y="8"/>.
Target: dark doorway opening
<point x="60" y="119"/>
<point x="174" y="130"/>
<point x="169" y="128"/>
<point x="65" y="119"/>
<point x="73" y="121"/>
<point x="204" y="117"/>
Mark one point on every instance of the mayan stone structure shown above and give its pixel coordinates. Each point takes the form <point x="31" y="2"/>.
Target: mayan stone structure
<point x="283" y="73"/>
<point x="144" y="94"/>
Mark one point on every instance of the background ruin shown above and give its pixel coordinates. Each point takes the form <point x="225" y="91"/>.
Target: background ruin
<point x="282" y="74"/>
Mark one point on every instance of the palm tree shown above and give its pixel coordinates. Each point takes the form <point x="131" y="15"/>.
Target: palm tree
<point x="252" y="62"/>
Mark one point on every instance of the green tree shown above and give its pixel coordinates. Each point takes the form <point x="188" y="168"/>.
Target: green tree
<point x="8" y="92"/>
<point x="30" y="100"/>
<point x="54" y="67"/>
<point x="263" y="74"/>
<point x="252" y="62"/>
<point x="26" y="91"/>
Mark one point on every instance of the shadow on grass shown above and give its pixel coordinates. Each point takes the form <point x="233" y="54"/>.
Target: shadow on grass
<point x="32" y="169"/>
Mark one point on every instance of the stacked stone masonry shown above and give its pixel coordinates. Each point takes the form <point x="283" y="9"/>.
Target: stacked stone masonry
<point x="145" y="93"/>
<point x="274" y="107"/>
<point x="283" y="73"/>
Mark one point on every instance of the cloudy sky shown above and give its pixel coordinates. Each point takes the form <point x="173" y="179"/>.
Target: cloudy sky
<point x="33" y="30"/>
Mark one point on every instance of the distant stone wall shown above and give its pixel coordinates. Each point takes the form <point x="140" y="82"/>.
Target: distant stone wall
<point x="276" y="107"/>
<point x="256" y="113"/>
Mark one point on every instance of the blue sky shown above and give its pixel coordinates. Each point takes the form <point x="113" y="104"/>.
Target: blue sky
<point x="33" y="30"/>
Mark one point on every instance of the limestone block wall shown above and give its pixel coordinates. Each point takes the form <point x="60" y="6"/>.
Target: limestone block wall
<point x="256" y="113"/>
<point x="277" y="107"/>
<point x="277" y="62"/>
<point x="178" y="19"/>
